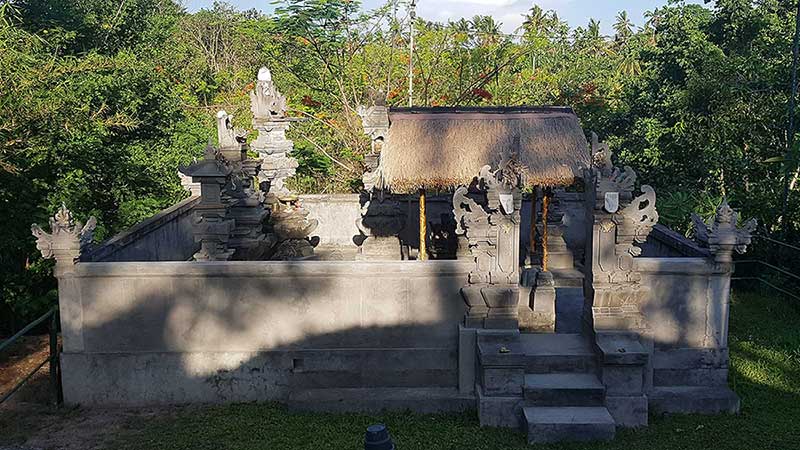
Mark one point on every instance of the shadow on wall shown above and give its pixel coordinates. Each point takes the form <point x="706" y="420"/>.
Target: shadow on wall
<point x="175" y="332"/>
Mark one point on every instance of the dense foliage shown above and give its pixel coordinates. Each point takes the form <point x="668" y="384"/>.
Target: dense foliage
<point x="100" y="100"/>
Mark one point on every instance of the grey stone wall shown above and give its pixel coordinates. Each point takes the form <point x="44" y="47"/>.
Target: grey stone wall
<point x="686" y="308"/>
<point x="167" y="236"/>
<point x="337" y="215"/>
<point x="171" y="332"/>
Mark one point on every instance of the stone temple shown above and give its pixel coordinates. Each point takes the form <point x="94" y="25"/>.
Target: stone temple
<point x="496" y="260"/>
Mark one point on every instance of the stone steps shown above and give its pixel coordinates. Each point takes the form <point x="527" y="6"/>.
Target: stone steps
<point x="565" y="423"/>
<point x="563" y="398"/>
<point x="563" y="389"/>
<point x="374" y="400"/>
<point x="557" y="353"/>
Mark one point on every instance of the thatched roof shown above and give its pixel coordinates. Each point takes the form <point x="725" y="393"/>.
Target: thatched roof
<point x="439" y="148"/>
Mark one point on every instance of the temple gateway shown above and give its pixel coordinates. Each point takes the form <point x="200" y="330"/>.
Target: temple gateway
<point x="495" y="260"/>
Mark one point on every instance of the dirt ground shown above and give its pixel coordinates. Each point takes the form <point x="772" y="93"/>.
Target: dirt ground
<point x="30" y="421"/>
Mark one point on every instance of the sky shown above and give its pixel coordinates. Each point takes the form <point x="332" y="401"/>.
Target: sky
<point x="508" y="12"/>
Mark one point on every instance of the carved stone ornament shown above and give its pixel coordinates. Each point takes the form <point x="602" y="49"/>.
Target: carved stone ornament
<point x="489" y="216"/>
<point x="722" y="235"/>
<point x="640" y="218"/>
<point x="227" y="135"/>
<point x="266" y="102"/>
<point x="67" y="237"/>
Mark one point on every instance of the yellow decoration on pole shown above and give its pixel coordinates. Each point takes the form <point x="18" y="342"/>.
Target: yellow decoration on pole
<point x="423" y="227"/>
<point x="545" y="206"/>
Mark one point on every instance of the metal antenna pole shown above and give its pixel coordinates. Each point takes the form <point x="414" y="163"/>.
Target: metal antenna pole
<point x="413" y="16"/>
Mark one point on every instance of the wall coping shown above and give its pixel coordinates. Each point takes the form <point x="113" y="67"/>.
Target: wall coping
<point x="281" y="269"/>
<point x="678" y="266"/>
<point x="134" y="233"/>
<point x="677" y="241"/>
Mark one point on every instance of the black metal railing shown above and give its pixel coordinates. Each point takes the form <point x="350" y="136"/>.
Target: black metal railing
<point x="776" y="265"/>
<point x="52" y="358"/>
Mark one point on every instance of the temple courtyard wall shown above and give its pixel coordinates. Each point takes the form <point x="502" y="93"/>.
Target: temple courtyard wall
<point x="142" y="325"/>
<point x="176" y="332"/>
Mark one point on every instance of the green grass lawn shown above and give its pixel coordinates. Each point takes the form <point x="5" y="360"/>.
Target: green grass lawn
<point x="765" y="354"/>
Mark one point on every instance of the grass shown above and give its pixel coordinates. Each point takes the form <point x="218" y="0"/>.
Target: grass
<point x="765" y="372"/>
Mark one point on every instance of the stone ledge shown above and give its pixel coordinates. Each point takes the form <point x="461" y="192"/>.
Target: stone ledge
<point x="264" y="269"/>
<point x="693" y="400"/>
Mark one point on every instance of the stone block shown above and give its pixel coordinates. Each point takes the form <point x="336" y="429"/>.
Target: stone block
<point x="690" y="358"/>
<point x="623" y="380"/>
<point x="500" y="412"/>
<point x="502" y="381"/>
<point x="628" y="412"/>
<point x="560" y="424"/>
<point x="690" y="377"/>
<point x="621" y="349"/>
<point x="467" y="359"/>
<point x="693" y="400"/>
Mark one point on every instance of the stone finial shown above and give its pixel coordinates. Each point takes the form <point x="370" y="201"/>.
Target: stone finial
<point x="67" y="237"/>
<point x="640" y="218"/>
<point x="227" y="135"/>
<point x="265" y="100"/>
<point x="722" y="235"/>
<point x="614" y="186"/>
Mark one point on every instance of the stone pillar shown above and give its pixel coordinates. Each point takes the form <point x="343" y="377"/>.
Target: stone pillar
<point x="248" y="239"/>
<point x="67" y="240"/>
<point x="722" y="236"/>
<point x="289" y="221"/>
<point x="382" y="217"/>
<point x="492" y="226"/>
<point x="212" y="227"/>
<point x="619" y="222"/>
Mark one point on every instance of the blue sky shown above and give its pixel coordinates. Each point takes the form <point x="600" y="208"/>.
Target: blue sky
<point x="509" y="12"/>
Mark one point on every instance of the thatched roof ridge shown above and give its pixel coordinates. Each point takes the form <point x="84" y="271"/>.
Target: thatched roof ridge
<point x="440" y="148"/>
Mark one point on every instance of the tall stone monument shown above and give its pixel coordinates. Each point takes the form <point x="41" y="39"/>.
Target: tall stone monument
<point x="382" y="218"/>
<point x="245" y="207"/>
<point x="288" y="219"/>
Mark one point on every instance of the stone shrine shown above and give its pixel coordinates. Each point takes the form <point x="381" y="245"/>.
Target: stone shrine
<point x="605" y="317"/>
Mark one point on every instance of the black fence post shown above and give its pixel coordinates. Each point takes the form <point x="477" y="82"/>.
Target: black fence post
<point x="55" y="361"/>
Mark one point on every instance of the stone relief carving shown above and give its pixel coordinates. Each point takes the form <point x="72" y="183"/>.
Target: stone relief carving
<point x="489" y="216"/>
<point x="375" y="120"/>
<point x="722" y="235"/>
<point x="620" y="222"/>
<point x="640" y="217"/>
<point x="67" y="239"/>
<point x="291" y="225"/>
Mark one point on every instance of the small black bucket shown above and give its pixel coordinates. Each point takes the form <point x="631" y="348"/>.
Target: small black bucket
<point x="378" y="438"/>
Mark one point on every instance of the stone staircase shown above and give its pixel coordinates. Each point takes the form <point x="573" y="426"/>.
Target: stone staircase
<point x="544" y="383"/>
<point x="563" y="397"/>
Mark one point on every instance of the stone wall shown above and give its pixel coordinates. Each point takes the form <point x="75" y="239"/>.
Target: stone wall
<point x="172" y="332"/>
<point x="167" y="236"/>
<point x="686" y="307"/>
<point x="337" y="215"/>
